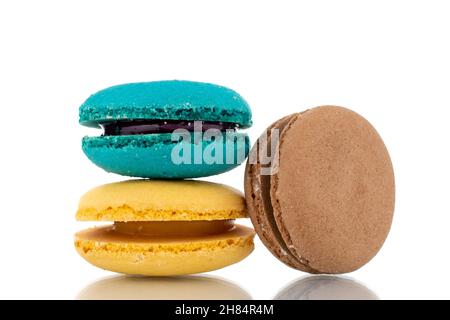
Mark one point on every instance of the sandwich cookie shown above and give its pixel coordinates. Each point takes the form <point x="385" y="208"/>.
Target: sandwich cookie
<point x="325" y="201"/>
<point x="163" y="228"/>
<point x="166" y="129"/>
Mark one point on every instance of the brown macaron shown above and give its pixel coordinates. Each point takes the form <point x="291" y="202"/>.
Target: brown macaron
<point x="320" y="190"/>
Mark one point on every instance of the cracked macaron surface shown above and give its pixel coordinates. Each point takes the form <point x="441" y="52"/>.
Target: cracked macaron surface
<point x="138" y="120"/>
<point x="163" y="228"/>
<point x="328" y="205"/>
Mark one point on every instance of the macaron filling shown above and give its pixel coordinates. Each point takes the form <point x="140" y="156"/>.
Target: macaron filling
<point x="135" y="127"/>
<point x="173" y="228"/>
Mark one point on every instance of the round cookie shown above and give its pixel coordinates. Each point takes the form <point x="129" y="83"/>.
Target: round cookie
<point x="161" y="200"/>
<point x="149" y="155"/>
<point x="171" y="99"/>
<point x="163" y="256"/>
<point x="327" y="207"/>
<point x="138" y="121"/>
<point x="163" y="228"/>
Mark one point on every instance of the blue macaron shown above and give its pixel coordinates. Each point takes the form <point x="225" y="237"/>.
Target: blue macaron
<point x="166" y="129"/>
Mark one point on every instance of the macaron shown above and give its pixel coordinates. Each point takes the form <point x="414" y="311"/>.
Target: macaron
<point x="163" y="227"/>
<point x="166" y="129"/>
<point x="323" y="201"/>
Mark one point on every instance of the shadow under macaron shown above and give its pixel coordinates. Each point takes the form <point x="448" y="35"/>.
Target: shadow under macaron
<point x="163" y="288"/>
<point x="326" y="288"/>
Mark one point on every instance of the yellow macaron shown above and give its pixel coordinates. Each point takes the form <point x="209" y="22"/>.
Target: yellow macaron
<point x="163" y="228"/>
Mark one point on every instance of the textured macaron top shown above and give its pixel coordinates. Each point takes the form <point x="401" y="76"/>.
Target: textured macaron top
<point x="165" y="100"/>
<point x="161" y="200"/>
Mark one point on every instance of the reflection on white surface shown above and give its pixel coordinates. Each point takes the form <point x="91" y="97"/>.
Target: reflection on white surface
<point x="176" y="288"/>
<point x="326" y="288"/>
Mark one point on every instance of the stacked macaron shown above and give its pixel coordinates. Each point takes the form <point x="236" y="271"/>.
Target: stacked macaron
<point x="165" y="131"/>
<point x="319" y="185"/>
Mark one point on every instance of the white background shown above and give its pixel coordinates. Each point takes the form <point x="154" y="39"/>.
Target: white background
<point x="387" y="60"/>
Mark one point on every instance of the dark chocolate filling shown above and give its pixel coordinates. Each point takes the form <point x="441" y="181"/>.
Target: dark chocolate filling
<point x="131" y="127"/>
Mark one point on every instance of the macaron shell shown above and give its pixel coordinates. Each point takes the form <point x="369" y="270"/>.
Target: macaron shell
<point x="163" y="257"/>
<point x="333" y="196"/>
<point x="257" y="189"/>
<point x="166" y="100"/>
<point x="161" y="200"/>
<point x="150" y="155"/>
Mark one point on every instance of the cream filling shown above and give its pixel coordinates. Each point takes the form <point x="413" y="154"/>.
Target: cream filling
<point x="173" y="228"/>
